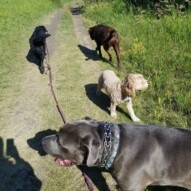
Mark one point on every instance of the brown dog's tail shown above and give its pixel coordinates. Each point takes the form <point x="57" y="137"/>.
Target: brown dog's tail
<point x="112" y="34"/>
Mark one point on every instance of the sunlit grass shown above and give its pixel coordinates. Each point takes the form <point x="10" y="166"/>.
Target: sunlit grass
<point x="159" y="49"/>
<point x="16" y="17"/>
<point x="17" y="21"/>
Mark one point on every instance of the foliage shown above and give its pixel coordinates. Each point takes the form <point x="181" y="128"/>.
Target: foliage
<point x="159" y="49"/>
<point x="156" y="7"/>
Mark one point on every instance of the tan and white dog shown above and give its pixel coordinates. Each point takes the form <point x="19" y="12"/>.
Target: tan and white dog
<point x="121" y="91"/>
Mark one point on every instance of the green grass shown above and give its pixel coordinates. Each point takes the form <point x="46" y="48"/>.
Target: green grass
<point x="17" y="21"/>
<point x="159" y="49"/>
<point x="17" y="18"/>
<point x="166" y="100"/>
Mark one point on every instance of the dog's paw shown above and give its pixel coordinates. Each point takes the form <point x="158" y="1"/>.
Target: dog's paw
<point x="136" y="119"/>
<point x="41" y="70"/>
<point x="114" y="115"/>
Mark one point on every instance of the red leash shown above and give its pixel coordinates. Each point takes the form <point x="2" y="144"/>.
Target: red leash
<point x="86" y="178"/>
<point x="87" y="181"/>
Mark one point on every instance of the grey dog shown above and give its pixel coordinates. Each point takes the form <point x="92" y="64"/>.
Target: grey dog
<point x="137" y="155"/>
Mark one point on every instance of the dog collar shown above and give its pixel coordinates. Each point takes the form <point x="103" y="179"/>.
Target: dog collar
<point x="110" y="144"/>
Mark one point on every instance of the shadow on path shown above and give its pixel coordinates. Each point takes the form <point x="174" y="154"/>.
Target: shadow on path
<point x="95" y="174"/>
<point x="36" y="142"/>
<point x="92" y="55"/>
<point x="102" y="101"/>
<point x="89" y="53"/>
<point x="16" y="174"/>
<point x="32" y="58"/>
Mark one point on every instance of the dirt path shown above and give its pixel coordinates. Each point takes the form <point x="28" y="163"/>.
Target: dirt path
<point x="25" y="114"/>
<point x="82" y="33"/>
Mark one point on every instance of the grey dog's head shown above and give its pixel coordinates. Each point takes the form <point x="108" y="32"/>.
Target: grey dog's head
<point x="76" y="143"/>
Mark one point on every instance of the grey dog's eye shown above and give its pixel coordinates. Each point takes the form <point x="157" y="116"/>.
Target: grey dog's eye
<point x="65" y="150"/>
<point x="82" y="146"/>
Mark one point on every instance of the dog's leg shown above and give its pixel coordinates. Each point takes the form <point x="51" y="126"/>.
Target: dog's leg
<point x="113" y="110"/>
<point x="42" y="56"/>
<point x="41" y="67"/>
<point x="98" y="91"/>
<point x="106" y="48"/>
<point x="114" y="42"/>
<point x="129" y="106"/>
<point x="98" y="48"/>
<point x="99" y="85"/>
<point x="40" y="63"/>
<point x="116" y="49"/>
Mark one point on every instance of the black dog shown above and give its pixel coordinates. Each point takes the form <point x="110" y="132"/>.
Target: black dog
<point x="137" y="155"/>
<point x="38" y="45"/>
<point x="106" y="36"/>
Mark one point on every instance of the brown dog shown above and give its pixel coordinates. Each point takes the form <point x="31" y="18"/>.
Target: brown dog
<point x="106" y="36"/>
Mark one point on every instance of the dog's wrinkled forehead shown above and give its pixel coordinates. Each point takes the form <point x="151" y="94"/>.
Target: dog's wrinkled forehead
<point x="81" y="123"/>
<point x="71" y="134"/>
<point x="67" y="140"/>
<point x="79" y="128"/>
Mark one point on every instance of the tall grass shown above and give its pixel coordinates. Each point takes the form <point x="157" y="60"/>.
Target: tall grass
<point x="160" y="49"/>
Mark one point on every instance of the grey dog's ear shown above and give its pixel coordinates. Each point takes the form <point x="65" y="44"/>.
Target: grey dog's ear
<point x="93" y="146"/>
